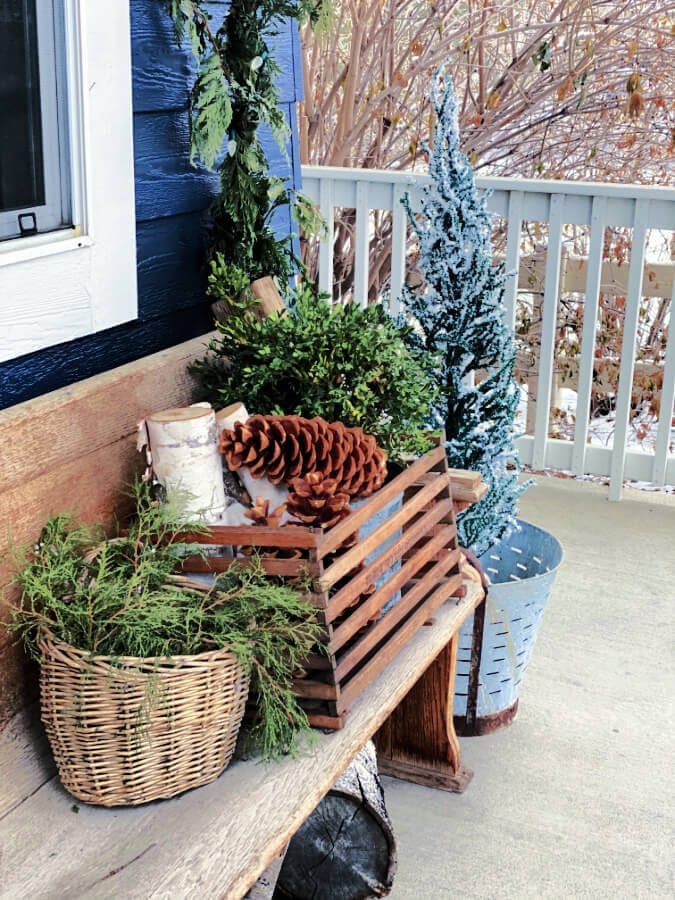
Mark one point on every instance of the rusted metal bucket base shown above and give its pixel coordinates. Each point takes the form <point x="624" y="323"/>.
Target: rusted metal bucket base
<point x="485" y="724"/>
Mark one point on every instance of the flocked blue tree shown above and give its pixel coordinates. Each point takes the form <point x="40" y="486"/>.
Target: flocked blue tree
<point x="461" y="316"/>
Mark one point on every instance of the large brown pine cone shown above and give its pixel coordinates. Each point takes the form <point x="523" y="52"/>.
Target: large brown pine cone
<point x="316" y="501"/>
<point x="285" y="447"/>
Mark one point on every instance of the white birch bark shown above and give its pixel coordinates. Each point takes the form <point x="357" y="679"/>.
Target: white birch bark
<point x="183" y="446"/>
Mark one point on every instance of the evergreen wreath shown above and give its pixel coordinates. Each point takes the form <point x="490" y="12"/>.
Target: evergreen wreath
<point x="460" y="315"/>
<point x="233" y="94"/>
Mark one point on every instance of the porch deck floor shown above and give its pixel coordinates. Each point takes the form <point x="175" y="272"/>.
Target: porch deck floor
<point x="576" y="798"/>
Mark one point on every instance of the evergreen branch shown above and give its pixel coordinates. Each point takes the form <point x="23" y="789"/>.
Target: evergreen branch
<point x="234" y="93"/>
<point x="120" y="597"/>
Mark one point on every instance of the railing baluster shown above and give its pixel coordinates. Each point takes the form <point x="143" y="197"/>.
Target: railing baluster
<point x="549" y="316"/>
<point x="632" y="312"/>
<point x="398" y="248"/>
<point x="667" y="400"/>
<point x="535" y="201"/>
<point x="326" y="205"/>
<point x="592" y="299"/>
<point x="362" y="244"/>
<point x="512" y="261"/>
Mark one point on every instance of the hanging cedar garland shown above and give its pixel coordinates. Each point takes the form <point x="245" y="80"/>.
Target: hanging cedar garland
<point x="285" y="447"/>
<point x="233" y="94"/>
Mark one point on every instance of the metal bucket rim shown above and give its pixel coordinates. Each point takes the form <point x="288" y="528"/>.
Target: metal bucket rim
<point x="522" y="524"/>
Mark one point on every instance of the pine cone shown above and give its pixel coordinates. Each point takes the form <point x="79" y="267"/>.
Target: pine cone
<point x="261" y="514"/>
<point x="316" y="501"/>
<point x="357" y="462"/>
<point x="285" y="447"/>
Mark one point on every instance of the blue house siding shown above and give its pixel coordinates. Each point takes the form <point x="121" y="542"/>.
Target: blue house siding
<point x="171" y="201"/>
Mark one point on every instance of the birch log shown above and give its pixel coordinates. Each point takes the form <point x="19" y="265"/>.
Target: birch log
<point x="183" y="447"/>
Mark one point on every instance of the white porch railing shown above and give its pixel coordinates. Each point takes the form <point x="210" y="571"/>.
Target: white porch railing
<point x="558" y="204"/>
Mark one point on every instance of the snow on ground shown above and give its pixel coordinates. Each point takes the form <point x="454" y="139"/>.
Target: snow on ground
<point x="641" y="435"/>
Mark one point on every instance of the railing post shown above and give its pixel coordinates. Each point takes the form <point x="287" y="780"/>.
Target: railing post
<point x="630" y="326"/>
<point x="326" y="205"/>
<point x="398" y="249"/>
<point x="361" y="244"/>
<point x="667" y="399"/>
<point x="592" y="300"/>
<point x="512" y="261"/>
<point x="549" y="316"/>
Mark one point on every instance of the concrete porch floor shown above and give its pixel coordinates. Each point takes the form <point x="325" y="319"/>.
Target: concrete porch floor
<point x="576" y="799"/>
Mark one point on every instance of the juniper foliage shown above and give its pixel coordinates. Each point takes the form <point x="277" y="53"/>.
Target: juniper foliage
<point x="460" y="315"/>
<point x="119" y="597"/>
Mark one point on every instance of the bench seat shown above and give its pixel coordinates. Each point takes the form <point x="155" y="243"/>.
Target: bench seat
<point x="214" y="841"/>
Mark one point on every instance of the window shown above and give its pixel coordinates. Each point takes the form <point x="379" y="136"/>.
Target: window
<point x="34" y="183"/>
<point x="66" y="157"/>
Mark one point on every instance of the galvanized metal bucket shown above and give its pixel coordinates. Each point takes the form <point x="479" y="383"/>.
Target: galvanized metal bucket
<point x="502" y="634"/>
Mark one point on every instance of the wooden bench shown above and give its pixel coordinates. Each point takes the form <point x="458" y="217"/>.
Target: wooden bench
<point x="72" y="450"/>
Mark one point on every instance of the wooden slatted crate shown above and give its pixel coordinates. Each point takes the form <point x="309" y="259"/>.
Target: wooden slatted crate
<point x="414" y="552"/>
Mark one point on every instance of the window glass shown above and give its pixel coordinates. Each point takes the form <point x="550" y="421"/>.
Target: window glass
<point x="33" y="151"/>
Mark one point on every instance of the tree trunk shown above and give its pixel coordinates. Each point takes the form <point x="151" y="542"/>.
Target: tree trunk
<point x="345" y="850"/>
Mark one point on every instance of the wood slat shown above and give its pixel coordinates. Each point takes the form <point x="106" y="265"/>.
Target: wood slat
<point x="403" y="635"/>
<point x="414" y="533"/>
<point x="464" y="478"/>
<point x="308" y="689"/>
<point x="409" y="600"/>
<point x="287" y="568"/>
<point x="346" y="562"/>
<point x="370" y="607"/>
<point x="339" y="534"/>
<point x="290" y="536"/>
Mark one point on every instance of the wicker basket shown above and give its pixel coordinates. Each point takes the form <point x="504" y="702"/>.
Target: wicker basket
<point x="130" y="730"/>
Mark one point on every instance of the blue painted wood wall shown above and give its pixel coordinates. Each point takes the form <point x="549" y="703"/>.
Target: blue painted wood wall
<point x="171" y="199"/>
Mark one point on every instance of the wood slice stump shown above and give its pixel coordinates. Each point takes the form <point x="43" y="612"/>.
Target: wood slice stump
<point x="346" y="849"/>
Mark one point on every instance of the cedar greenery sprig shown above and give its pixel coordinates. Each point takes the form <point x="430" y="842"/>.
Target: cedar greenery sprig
<point x="119" y="597"/>
<point x="234" y="92"/>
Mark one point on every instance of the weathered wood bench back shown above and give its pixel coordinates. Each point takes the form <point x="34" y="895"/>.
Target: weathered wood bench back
<point x="74" y="450"/>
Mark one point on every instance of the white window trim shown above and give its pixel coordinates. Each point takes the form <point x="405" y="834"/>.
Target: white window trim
<point x="77" y="281"/>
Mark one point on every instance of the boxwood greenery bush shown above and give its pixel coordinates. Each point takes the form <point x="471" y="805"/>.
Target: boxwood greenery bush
<point x="344" y="363"/>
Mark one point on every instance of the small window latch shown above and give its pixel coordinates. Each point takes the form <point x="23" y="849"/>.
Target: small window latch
<point x="27" y="224"/>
